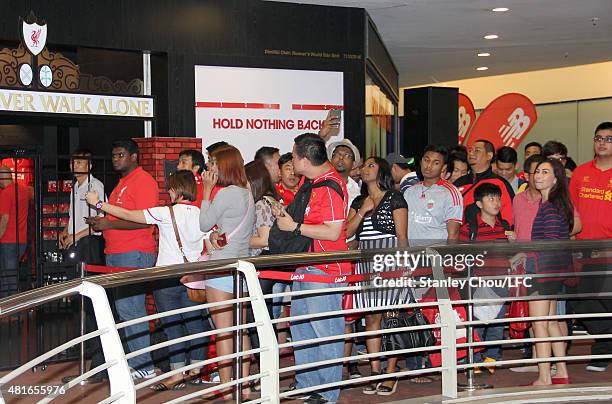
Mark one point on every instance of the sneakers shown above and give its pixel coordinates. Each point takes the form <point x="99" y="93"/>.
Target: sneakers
<point x="212" y="378"/>
<point x="303" y="396"/>
<point x="142" y="374"/>
<point x="597" y="366"/>
<point x="353" y="371"/>
<point x="315" y="398"/>
<point x="491" y="369"/>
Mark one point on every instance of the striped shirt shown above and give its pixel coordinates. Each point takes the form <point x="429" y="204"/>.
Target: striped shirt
<point x="485" y="232"/>
<point x="550" y="224"/>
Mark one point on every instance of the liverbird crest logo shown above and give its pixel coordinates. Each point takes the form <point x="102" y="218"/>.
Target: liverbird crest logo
<point x="34" y="34"/>
<point x="36" y="37"/>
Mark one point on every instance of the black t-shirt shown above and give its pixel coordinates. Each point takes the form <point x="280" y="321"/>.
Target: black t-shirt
<point x="382" y="216"/>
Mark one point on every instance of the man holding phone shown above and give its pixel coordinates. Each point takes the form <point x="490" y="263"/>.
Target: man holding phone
<point x="331" y="125"/>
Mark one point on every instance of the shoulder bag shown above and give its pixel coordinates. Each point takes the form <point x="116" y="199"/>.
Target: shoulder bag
<point x="195" y="295"/>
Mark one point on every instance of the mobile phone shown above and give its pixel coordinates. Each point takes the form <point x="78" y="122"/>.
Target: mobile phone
<point x="222" y="240"/>
<point x="336" y="115"/>
<point x="271" y="200"/>
<point x="275" y="204"/>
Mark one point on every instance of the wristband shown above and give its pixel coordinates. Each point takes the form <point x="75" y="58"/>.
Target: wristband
<point x="297" y="230"/>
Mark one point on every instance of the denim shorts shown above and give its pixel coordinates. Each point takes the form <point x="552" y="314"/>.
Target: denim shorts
<point x="223" y="283"/>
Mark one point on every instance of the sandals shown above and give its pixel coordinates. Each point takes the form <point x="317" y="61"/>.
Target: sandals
<point x="421" y="380"/>
<point x="372" y="388"/>
<point x="383" y="390"/>
<point x="166" y="387"/>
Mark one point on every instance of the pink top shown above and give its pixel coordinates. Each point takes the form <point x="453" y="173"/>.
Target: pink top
<point x="525" y="211"/>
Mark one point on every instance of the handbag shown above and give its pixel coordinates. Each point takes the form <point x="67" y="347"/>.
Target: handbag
<point x="406" y="339"/>
<point x="195" y="295"/>
<point x="518" y="308"/>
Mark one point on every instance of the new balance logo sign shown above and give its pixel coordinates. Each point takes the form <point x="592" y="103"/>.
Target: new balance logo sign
<point x="518" y="123"/>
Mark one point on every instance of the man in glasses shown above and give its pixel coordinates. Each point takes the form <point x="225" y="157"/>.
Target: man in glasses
<point x="591" y="192"/>
<point x="343" y="155"/>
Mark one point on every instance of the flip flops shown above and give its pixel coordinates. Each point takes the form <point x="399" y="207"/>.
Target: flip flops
<point x="163" y="387"/>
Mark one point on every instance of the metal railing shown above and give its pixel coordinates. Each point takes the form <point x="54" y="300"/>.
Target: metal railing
<point x="123" y="389"/>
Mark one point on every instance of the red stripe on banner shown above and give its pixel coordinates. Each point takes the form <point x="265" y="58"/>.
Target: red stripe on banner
<point x="315" y="107"/>
<point x="236" y="105"/>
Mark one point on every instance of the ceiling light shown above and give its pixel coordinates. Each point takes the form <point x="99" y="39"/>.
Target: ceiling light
<point x="484" y="54"/>
<point x="500" y="9"/>
<point x="491" y="36"/>
<point x="482" y="68"/>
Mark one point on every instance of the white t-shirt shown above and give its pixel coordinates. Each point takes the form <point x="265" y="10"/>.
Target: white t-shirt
<point x="80" y="208"/>
<point x="188" y="223"/>
<point x="354" y="190"/>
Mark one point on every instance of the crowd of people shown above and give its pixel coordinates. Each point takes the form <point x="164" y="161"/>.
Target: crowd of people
<point x="322" y="196"/>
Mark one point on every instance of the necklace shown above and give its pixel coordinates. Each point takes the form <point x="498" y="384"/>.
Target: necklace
<point x="424" y="190"/>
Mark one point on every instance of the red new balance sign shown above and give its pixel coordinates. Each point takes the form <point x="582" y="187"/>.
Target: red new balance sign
<point x="505" y="121"/>
<point x="467" y="116"/>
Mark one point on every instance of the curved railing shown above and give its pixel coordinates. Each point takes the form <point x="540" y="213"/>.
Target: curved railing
<point x="122" y="389"/>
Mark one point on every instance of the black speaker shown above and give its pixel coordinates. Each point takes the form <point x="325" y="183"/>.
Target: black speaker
<point x="430" y="117"/>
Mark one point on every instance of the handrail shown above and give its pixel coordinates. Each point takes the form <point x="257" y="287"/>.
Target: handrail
<point x="35" y="297"/>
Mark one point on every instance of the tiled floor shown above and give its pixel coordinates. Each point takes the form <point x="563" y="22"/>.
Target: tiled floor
<point x="406" y="389"/>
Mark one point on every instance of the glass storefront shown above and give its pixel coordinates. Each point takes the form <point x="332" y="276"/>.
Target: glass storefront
<point x="381" y="121"/>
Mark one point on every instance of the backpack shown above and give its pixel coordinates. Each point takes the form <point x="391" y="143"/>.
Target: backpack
<point x="285" y="242"/>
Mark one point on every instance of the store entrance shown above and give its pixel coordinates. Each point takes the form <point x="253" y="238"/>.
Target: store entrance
<point x="38" y="153"/>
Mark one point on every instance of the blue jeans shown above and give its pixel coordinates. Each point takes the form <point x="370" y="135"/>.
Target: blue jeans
<point x="130" y="304"/>
<point x="180" y="325"/>
<point x="310" y="329"/>
<point x="277" y="302"/>
<point x="492" y="333"/>
<point x="10" y="253"/>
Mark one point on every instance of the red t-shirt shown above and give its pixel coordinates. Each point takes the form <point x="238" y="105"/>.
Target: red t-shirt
<point x="485" y="231"/>
<point x="136" y="191"/>
<point x="285" y="194"/>
<point x="524" y="211"/>
<point x="326" y="206"/>
<point x="591" y="193"/>
<point x="16" y="207"/>
<point x="200" y="191"/>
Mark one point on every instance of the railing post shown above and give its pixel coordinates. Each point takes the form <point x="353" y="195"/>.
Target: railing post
<point x="449" y="355"/>
<point x="238" y="346"/>
<point x="269" y="357"/>
<point x="119" y="375"/>
<point x="448" y="332"/>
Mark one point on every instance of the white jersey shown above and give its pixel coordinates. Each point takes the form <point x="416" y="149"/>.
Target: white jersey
<point x="430" y="209"/>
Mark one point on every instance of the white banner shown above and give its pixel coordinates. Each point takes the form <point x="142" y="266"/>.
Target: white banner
<point x="250" y="108"/>
<point x="76" y="104"/>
